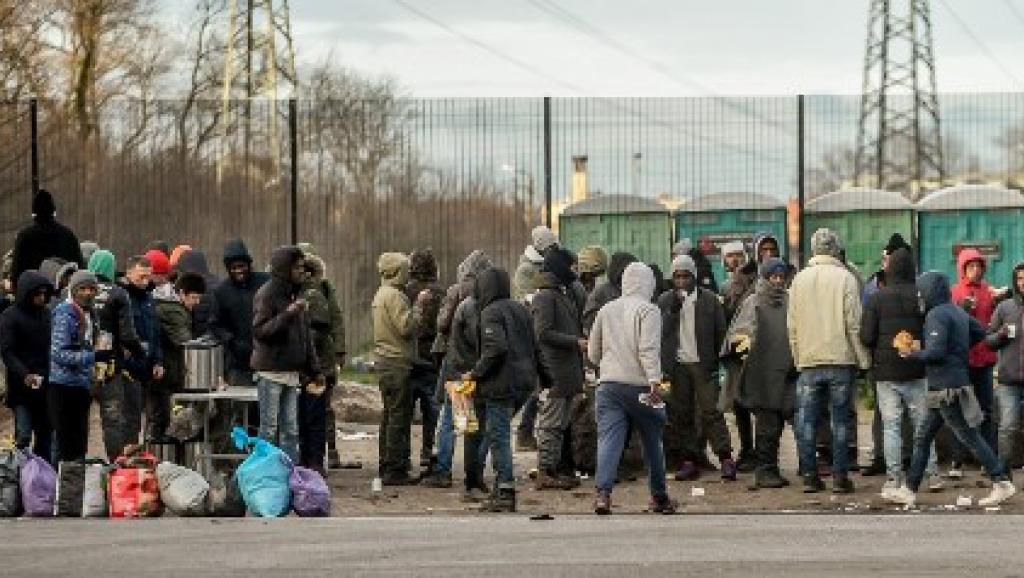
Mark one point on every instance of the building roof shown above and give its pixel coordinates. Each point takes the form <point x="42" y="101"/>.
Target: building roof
<point x="731" y="201"/>
<point x="614" y="204"/>
<point x="858" y="199"/>
<point x="970" y="197"/>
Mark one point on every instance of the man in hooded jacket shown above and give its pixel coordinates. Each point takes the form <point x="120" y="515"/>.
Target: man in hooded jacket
<point x="193" y="261"/>
<point x="25" y="349"/>
<point x="1004" y="336"/>
<point x="44" y="238"/>
<point x="284" y="356"/>
<point x="524" y="285"/>
<point x="559" y="333"/>
<point x="425" y="366"/>
<point x="608" y="291"/>
<point x="232" y="312"/>
<point x="395" y="321"/>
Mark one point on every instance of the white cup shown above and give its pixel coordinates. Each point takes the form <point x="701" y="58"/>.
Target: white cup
<point x="1011" y="331"/>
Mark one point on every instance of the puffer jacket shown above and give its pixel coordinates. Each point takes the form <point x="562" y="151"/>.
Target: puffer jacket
<point x="558" y="327"/>
<point x="984" y="304"/>
<point x="823" y="317"/>
<point x="25" y="341"/>
<point x="147" y="327"/>
<point x="893" y="309"/>
<point x="73" y="334"/>
<point x="709" y="328"/>
<point x="949" y="333"/>
<point x="507" y="367"/>
<point x="1011" y="351"/>
<point x="625" y="341"/>
<point x="114" y="316"/>
<point x="394" y="319"/>
<point x="175" y="331"/>
<point x="283" y="339"/>
<point x="325" y="316"/>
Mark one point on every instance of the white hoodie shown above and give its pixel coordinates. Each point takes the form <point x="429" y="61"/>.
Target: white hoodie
<point x="625" y="341"/>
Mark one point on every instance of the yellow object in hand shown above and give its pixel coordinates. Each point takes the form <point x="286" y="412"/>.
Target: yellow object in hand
<point x="742" y="343"/>
<point x="467" y="387"/>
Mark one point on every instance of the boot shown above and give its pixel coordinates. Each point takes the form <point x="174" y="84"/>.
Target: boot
<point x="813" y="484"/>
<point x="746" y="463"/>
<point x="547" y="481"/>
<point x="876" y="468"/>
<point x="501" y="502"/>
<point x="842" y="485"/>
<point x="768" y="477"/>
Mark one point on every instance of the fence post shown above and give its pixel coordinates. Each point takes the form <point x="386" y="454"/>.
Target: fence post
<point x="294" y="185"/>
<point x="800" y="178"/>
<point x="33" y="108"/>
<point x="547" y="161"/>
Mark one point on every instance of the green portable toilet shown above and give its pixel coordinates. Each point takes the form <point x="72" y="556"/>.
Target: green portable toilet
<point x="713" y="220"/>
<point x="639" y="225"/>
<point x="985" y="217"/>
<point x="864" y="219"/>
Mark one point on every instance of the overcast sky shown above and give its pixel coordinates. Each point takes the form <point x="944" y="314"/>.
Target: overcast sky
<point x="652" y="47"/>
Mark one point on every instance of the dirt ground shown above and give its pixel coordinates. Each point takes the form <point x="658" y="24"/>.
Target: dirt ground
<point x="352" y="494"/>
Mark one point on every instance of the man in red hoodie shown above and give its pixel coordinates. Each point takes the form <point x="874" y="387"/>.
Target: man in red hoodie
<point x="977" y="298"/>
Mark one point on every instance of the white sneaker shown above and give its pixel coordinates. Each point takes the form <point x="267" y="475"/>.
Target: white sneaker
<point x="955" y="473"/>
<point x="900" y="495"/>
<point x="890" y="489"/>
<point x="1001" y="491"/>
<point x="935" y="483"/>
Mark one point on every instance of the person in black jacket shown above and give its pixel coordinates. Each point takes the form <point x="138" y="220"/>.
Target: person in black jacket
<point x="193" y="261"/>
<point x="232" y="312"/>
<point x="505" y="372"/>
<point x="608" y="291"/>
<point x="949" y="333"/>
<point x="894" y="310"/>
<point x="284" y="357"/>
<point x="559" y="334"/>
<point x="44" y="238"/>
<point x="25" y="350"/>
<point x="693" y="329"/>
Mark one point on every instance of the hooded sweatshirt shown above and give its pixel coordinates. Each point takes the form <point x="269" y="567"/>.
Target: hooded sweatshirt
<point x="558" y="326"/>
<point x="466" y="273"/>
<point x="232" y="311"/>
<point x="949" y="334"/>
<point x="395" y="319"/>
<point x="44" y="238"/>
<point x="984" y="304"/>
<point x="893" y="309"/>
<point x="283" y="338"/>
<point x="608" y="291"/>
<point x="193" y="261"/>
<point x="1011" y="350"/>
<point x="25" y="341"/>
<point x="325" y="315"/>
<point x="625" y="341"/>
<point x="423" y="277"/>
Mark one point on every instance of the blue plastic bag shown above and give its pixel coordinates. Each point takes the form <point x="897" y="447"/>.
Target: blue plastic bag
<point x="263" y="476"/>
<point x="310" y="495"/>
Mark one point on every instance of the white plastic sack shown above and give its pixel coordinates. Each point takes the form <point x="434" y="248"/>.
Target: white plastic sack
<point x="182" y="490"/>
<point x="94" y="491"/>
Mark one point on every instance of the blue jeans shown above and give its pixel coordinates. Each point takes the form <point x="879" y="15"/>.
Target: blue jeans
<point x="32" y="428"/>
<point x="499" y="439"/>
<point x="953" y="416"/>
<point x="445" y="439"/>
<point x="892" y="397"/>
<point x="618" y="408"/>
<point x="1010" y="396"/>
<point x="981" y="381"/>
<point x="837" y="383"/>
<point x="279" y="419"/>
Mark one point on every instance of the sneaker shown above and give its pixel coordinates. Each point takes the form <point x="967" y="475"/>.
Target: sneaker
<point x="546" y="481"/>
<point x="875" y="468"/>
<point x="688" y="472"/>
<point x="474" y="496"/>
<point x="813" y="484"/>
<point x="956" y="472"/>
<point x="935" y="483"/>
<point x="729" y="470"/>
<point x="1001" y="491"/>
<point x="900" y="494"/>
<point x="663" y="505"/>
<point x="768" y="478"/>
<point x="571" y="481"/>
<point x="746" y="463"/>
<point x="889" y="488"/>
<point x="602" y="503"/>
<point x="504" y="502"/>
<point x="437" y="480"/>
<point x="842" y="485"/>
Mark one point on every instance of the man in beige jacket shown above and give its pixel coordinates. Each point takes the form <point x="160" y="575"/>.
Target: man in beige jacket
<point x="395" y="322"/>
<point x="823" y="321"/>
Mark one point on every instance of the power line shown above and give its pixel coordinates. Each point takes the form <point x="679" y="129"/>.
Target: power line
<point x="580" y="25"/>
<point x="487" y="47"/>
<point x="977" y="41"/>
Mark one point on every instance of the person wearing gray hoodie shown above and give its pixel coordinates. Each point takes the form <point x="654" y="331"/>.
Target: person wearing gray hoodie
<point x="1004" y="337"/>
<point x="625" y="342"/>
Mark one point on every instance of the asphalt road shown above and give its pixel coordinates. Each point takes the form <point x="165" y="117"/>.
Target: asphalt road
<point x="626" y="545"/>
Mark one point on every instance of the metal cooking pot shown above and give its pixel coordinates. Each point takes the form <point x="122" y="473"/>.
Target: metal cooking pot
<point x="204" y="364"/>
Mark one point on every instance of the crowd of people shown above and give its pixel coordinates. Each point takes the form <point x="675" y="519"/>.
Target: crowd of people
<point x="567" y="342"/>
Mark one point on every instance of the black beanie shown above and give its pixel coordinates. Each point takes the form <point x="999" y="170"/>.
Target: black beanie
<point x="558" y="262"/>
<point x="42" y="204"/>
<point x="896" y="241"/>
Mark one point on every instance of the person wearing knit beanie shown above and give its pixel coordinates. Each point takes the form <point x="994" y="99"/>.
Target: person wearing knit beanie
<point x="81" y="279"/>
<point x="104" y="265"/>
<point x="160" y="262"/>
<point x="543" y="238"/>
<point x="825" y="242"/>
